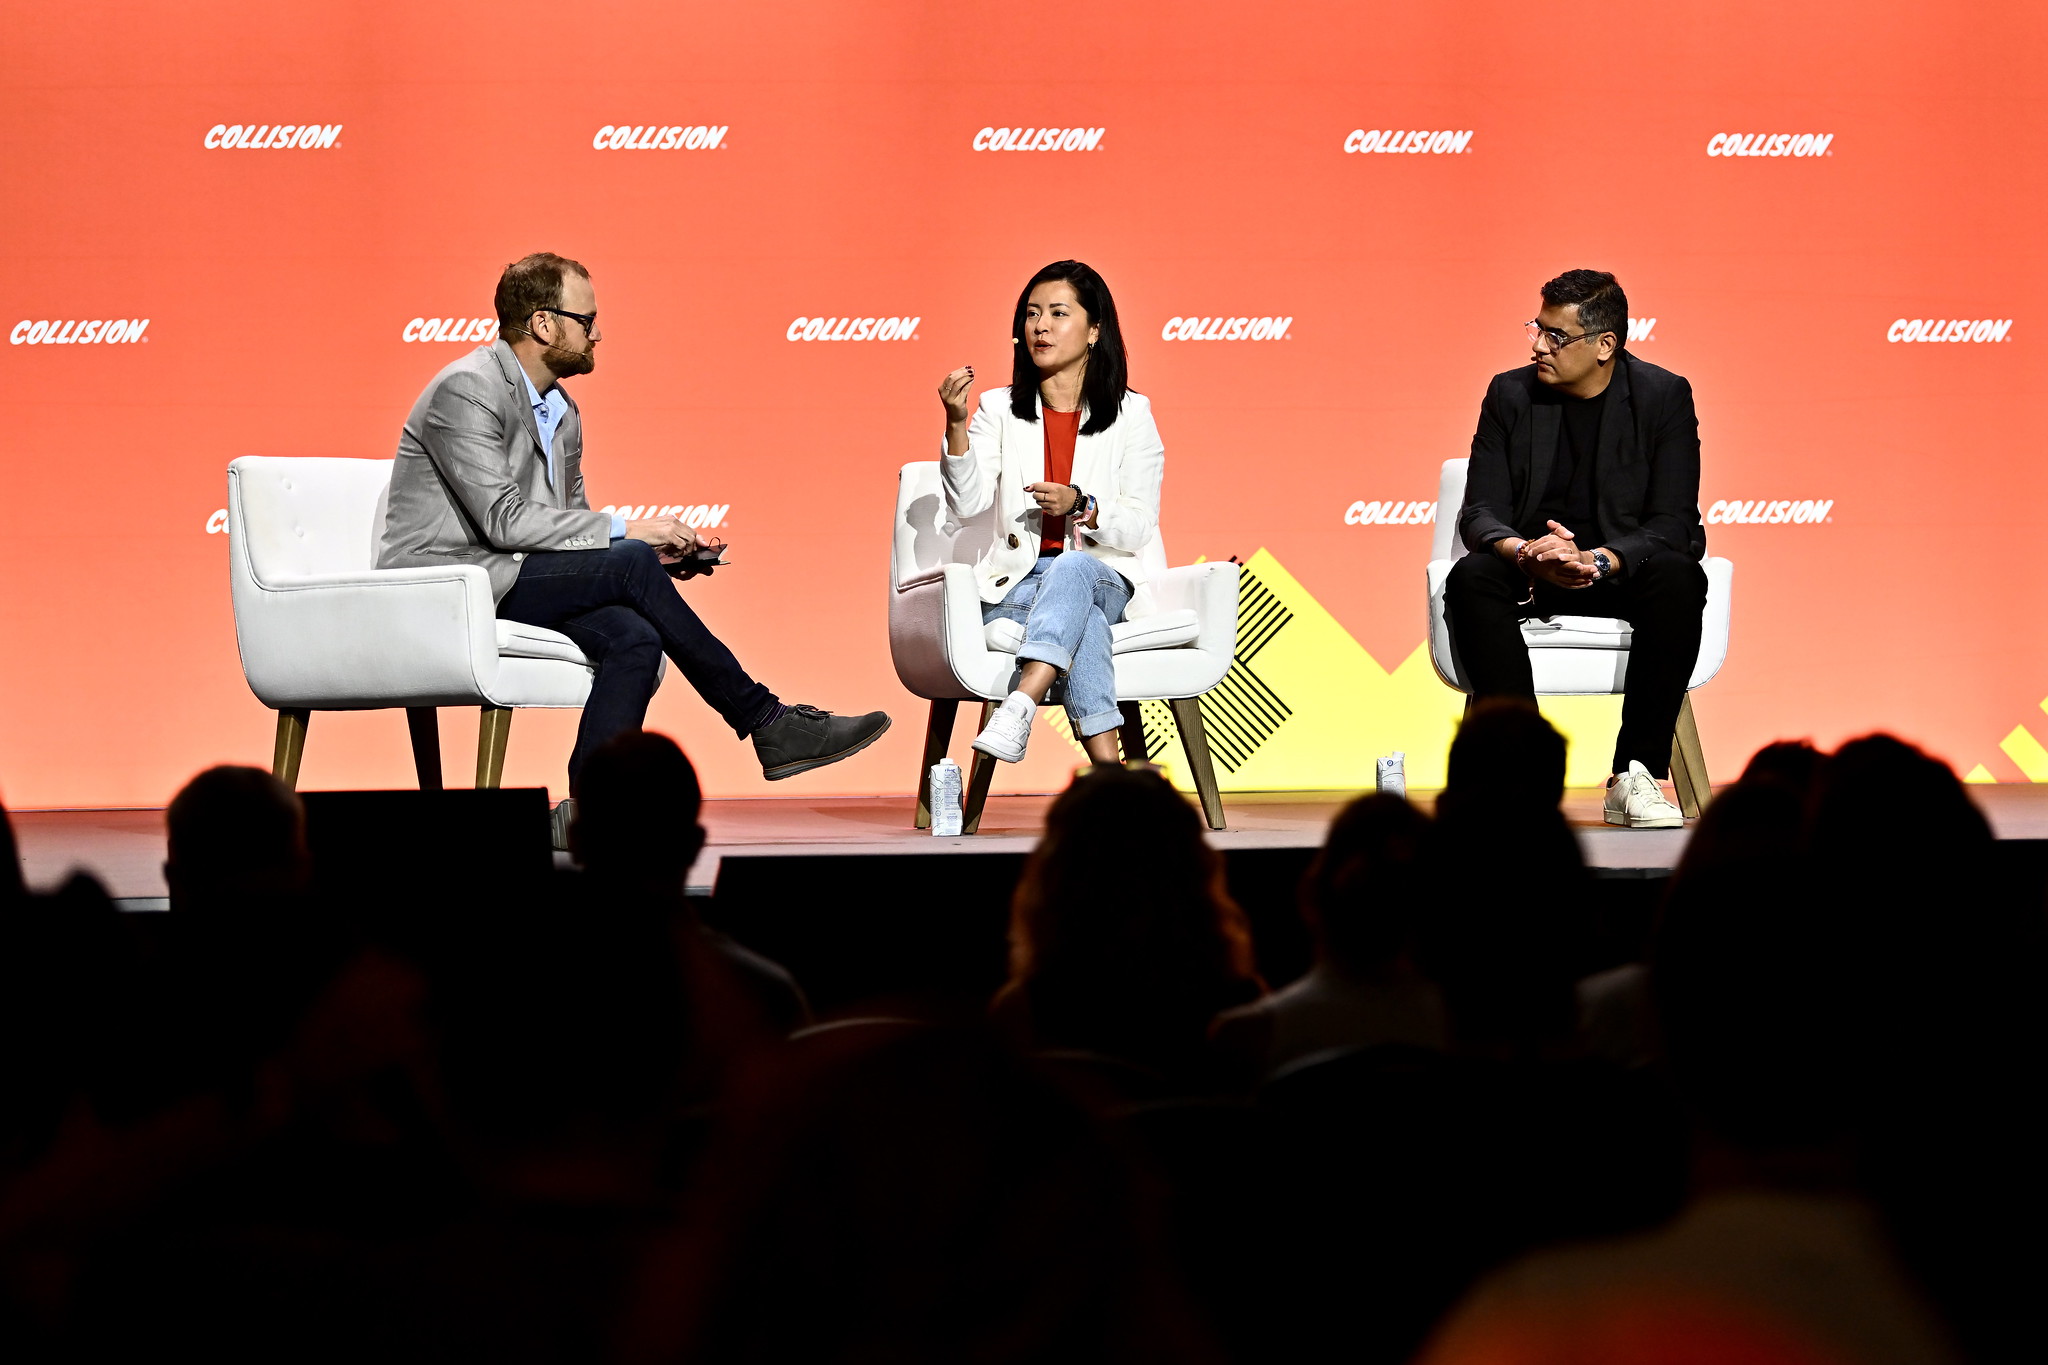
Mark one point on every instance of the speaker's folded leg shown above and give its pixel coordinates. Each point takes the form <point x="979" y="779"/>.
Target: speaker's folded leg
<point x="291" y="744"/>
<point x="425" y="724"/>
<point x="494" y="729"/>
<point x="938" y="737"/>
<point x="1187" y="715"/>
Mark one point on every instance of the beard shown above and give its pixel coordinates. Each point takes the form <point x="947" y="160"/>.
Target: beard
<point x="565" y="364"/>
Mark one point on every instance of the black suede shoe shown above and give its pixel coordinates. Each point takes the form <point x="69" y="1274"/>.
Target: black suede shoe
<point x="806" y="738"/>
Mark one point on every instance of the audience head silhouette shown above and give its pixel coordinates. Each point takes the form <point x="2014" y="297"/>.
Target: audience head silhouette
<point x="235" y="834"/>
<point x="637" y="801"/>
<point x="1505" y="754"/>
<point x="1364" y="889"/>
<point x="1123" y="939"/>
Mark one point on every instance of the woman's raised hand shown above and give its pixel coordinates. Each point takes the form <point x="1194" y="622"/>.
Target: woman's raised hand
<point x="953" y="390"/>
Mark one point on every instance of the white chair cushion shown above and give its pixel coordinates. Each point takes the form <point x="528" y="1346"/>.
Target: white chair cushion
<point x="1161" y="630"/>
<point x="1577" y="632"/>
<point x="517" y="640"/>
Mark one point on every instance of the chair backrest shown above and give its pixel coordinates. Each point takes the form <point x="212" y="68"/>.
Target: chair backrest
<point x="303" y="515"/>
<point x="1450" y="500"/>
<point x="925" y="537"/>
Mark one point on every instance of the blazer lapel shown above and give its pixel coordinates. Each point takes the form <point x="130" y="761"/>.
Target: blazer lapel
<point x="1031" y="451"/>
<point x="1090" y="453"/>
<point x="509" y="365"/>
<point x="1544" y="419"/>
<point x="1617" y="447"/>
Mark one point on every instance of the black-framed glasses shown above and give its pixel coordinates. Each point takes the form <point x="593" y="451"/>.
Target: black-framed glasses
<point x="589" y="320"/>
<point x="1558" y="340"/>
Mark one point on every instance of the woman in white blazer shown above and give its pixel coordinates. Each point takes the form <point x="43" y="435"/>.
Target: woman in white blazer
<point x="1071" y="460"/>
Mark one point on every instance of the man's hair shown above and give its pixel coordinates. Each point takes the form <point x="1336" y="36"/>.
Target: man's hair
<point x="235" y="830"/>
<point x="530" y="284"/>
<point x="1602" y="305"/>
<point x="636" y="795"/>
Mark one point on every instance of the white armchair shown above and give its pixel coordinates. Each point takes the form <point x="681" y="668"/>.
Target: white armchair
<point x="320" y="629"/>
<point x="945" y="654"/>
<point x="1578" y="656"/>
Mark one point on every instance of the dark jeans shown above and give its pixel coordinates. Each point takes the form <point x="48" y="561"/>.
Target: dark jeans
<point x="1662" y="597"/>
<point x="623" y="611"/>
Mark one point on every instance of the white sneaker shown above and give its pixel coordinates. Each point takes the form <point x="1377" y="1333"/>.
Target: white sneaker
<point x="1008" y="729"/>
<point x="1637" y="801"/>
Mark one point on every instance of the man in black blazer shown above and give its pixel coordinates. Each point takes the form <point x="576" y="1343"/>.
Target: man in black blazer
<point x="1582" y="499"/>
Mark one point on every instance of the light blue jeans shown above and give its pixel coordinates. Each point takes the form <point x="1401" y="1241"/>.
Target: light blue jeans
<point x="1067" y="604"/>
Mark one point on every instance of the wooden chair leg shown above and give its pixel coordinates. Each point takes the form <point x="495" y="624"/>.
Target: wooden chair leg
<point x="978" y="778"/>
<point x="290" y="746"/>
<point x="425" y="724"/>
<point x="1689" y="763"/>
<point x="494" y="729"/>
<point x="938" y="737"/>
<point x="1187" y="716"/>
<point x="1132" y="733"/>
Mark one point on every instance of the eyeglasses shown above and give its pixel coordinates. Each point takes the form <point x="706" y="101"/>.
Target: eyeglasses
<point x="589" y="320"/>
<point x="1558" y="340"/>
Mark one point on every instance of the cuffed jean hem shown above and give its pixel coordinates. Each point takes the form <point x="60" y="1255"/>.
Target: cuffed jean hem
<point x="1087" y="727"/>
<point x="1045" y="652"/>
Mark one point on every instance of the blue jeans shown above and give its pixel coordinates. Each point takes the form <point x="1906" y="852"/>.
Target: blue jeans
<point x="623" y="611"/>
<point x="1067" y="604"/>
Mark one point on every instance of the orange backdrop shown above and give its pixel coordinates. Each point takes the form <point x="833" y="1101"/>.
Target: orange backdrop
<point x="851" y="162"/>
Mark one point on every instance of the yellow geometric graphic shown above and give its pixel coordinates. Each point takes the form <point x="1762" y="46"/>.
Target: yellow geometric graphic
<point x="1980" y="773"/>
<point x="1309" y="709"/>
<point x="2026" y="753"/>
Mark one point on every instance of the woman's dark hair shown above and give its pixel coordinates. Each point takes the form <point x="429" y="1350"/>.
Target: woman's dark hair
<point x="1123" y="937"/>
<point x="1107" y="378"/>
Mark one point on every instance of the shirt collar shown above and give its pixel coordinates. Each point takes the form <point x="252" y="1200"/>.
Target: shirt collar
<point x="533" y="395"/>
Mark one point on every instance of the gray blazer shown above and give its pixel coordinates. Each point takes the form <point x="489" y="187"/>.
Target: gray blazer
<point x="470" y="485"/>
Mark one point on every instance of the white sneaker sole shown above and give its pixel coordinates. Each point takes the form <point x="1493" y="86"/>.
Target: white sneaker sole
<point x="1626" y="821"/>
<point x="997" y="749"/>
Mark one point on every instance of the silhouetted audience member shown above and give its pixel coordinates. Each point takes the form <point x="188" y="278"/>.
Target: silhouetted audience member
<point x="1361" y="898"/>
<point x="1947" y="957"/>
<point x="914" y="1195"/>
<point x="1760" y="816"/>
<point x="636" y="832"/>
<point x="12" y="888"/>
<point x="1776" y="1257"/>
<point x="235" y="835"/>
<point x="1791" y="763"/>
<point x="1124" y="943"/>
<point x="1506" y="756"/>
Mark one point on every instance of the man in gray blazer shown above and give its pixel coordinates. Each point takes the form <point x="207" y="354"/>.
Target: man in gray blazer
<point x="490" y="472"/>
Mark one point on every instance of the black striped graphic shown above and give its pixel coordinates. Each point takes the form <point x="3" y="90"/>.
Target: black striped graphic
<point x="1242" y="712"/>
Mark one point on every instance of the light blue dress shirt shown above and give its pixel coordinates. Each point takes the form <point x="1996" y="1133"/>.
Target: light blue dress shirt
<point x="548" y="412"/>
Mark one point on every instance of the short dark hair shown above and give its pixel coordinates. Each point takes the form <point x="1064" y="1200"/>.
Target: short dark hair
<point x="1602" y="306"/>
<point x="233" y="829"/>
<point x="531" y="284"/>
<point x="637" y="794"/>
<point x="1506" y="751"/>
<point x="1108" y="377"/>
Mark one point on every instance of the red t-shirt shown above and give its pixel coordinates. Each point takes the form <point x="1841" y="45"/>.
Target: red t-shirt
<point x="1061" y="429"/>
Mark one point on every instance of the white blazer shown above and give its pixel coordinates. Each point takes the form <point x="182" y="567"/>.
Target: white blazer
<point x="1121" y="468"/>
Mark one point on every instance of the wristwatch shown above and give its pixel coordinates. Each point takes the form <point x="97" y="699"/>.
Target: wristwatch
<point x="1602" y="565"/>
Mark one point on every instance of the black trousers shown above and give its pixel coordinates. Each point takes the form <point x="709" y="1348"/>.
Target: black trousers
<point x="1661" y="597"/>
<point x="622" y="610"/>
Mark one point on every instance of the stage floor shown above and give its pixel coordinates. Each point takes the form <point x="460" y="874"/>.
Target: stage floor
<point x="125" y="848"/>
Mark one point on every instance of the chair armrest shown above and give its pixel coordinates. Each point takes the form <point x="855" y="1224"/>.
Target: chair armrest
<point x="935" y="632"/>
<point x="934" y="574"/>
<point x="1210" y="591"/>
<point x="380" y="637"/>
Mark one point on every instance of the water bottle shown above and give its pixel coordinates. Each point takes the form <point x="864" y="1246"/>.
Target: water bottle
<point x="945" y="798"/>
<point x="1390" y="774"/>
